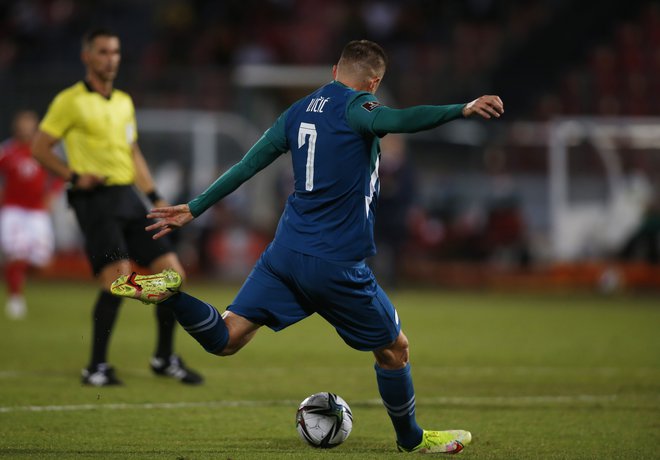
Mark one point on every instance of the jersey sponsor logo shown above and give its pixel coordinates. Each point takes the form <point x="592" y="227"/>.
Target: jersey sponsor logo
<point x="369" y="106"/>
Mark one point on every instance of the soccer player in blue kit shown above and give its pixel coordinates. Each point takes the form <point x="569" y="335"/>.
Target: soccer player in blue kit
<point x="316" y="262"/>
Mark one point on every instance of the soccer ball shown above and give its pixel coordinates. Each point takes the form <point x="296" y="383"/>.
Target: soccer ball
<point x="324" y="420"/>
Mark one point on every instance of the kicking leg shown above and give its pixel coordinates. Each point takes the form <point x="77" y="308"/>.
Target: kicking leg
<point x="398" y="394"/>
<point x="241" y="331"/>
<point x="221" y="335"/>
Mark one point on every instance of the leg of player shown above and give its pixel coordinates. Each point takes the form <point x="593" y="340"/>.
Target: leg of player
<point x="396" y="389"/>
<point x="104" y="316"/>
<point x="165" y="362"/>
<point x="221" y="335"/>
<point x="398" y="394"/>
<point x="15" y="272"/>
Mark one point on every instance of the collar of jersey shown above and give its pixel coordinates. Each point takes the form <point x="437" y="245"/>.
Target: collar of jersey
<point x="341" y="84"/>
<point x="92" y="90"/>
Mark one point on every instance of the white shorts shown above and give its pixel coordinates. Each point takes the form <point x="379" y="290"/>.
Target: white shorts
<point x="26" y="234"/>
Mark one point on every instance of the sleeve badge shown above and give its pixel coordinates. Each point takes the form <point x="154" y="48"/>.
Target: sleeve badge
<point x="371" y="105"/>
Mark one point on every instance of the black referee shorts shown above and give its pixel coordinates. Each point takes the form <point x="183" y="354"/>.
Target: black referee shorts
<point x="112" y="219"/>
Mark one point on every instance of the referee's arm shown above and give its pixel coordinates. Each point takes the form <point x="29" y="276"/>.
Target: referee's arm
<point x="143" y="179"/>
<point x="42" y="151"/>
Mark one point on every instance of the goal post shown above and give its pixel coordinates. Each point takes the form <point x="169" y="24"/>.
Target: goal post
<point x="602" y="173"/>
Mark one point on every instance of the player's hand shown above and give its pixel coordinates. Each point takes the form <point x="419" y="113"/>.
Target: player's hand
<point x="485" y="106"/>
<point x="161" y="203"/>
<point x="89" y="181"/>
<point x="169" y="218"/>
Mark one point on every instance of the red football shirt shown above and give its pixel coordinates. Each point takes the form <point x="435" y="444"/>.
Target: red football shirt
<point x="26" y="182"/>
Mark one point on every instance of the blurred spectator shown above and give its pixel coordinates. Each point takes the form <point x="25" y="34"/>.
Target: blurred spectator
<point x="643" y="244"/>
<point x="504" y="236"/>
<point x="618" y="75"/>
<point x="228" y="245"/>
<point x="452" y="41"/>
<point x="396" y="198"/>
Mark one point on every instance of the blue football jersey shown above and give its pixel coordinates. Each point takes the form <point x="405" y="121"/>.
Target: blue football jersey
<point x="331" y="212"/>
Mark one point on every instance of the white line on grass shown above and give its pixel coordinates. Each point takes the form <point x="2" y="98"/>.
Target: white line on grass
<point x="441" y="370"/>
<point x="516" y="401"/>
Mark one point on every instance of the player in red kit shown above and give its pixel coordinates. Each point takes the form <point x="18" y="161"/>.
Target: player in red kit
<point x="26" y="233"/>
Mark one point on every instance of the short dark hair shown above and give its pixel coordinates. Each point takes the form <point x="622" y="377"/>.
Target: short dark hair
<point x="89" y="36"/>
<point x="366" y="57"/>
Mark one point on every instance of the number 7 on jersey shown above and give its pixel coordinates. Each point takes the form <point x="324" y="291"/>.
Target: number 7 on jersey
<point x="305" y="130"/>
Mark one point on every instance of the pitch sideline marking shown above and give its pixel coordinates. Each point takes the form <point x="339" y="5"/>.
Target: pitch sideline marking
<point x="455" y="401"/>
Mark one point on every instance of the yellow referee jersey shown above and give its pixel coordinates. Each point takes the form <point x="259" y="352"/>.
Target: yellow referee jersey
<point x="97" y="131"/>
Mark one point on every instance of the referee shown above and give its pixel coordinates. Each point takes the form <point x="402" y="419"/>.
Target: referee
<point x="104" y="168"/>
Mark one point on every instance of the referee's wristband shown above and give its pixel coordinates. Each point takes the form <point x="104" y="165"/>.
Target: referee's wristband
<point x="73" y="179"/>
<point x="154" y="196"/>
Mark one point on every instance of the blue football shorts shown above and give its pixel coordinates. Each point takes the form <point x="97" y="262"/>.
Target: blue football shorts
<point x="286" y="286"/>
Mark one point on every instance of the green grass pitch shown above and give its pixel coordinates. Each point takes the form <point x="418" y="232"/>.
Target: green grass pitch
<point x="533" y="376"/>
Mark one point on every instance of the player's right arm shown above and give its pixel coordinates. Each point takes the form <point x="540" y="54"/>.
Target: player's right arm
<point x="266" y="150"/>
<point x="263" y="153"/>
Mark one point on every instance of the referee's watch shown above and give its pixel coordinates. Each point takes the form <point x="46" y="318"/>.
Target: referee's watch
<point x="154" y="196"/>
<point x="73" y="179"/>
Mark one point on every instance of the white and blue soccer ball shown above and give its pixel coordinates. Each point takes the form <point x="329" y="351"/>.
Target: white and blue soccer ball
<point x="324" y="420"/>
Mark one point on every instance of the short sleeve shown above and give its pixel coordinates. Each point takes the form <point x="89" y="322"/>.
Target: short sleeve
<point x="276" y="134"/>
<point x="361" y="111"/>
<point x="57" y="120"/>
<point x="131" y="127"/>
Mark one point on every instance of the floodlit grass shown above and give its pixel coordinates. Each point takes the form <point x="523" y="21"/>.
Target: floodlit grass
<point x="544" y="376"/>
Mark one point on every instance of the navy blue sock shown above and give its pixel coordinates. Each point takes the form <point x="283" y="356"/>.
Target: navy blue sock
<point x="200" y="320"/>
<point x="396" y="390"/>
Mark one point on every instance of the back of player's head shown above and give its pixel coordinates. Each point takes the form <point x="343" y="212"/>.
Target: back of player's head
<point x="89" y="36"/>
<point x="363" y="58"/>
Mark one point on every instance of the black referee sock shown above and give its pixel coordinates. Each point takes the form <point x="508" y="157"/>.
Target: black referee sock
<point x="166" y="322"/>
<point x="104" y="317"/>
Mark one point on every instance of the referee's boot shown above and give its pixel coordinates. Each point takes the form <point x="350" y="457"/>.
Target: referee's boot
<point x="173" y="366"/>
<point x="100" y="375"/>
<point x="148" y="288"/>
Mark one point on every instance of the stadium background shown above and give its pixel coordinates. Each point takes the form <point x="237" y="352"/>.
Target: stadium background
<point x="474" y="197"/>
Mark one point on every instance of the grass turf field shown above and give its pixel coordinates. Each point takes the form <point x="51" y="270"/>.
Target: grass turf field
<point x="548" y="376"/>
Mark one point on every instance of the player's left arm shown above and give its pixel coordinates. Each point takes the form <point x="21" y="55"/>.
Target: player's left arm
<point x="368" y="115"/>
<point x="143" y="179"/>
<point x="486" y="106"/>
